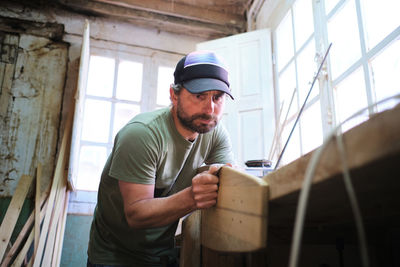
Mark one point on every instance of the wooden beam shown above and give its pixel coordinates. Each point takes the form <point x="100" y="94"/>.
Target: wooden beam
<point x="159" y="21"/>
<point x="242" y="204"/>
<point x="13" y="211"/>
<point x="206" y="13"/>
<point x="52" y="31"/>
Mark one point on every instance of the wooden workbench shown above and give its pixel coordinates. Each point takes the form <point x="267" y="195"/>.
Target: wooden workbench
<point x="373" y="157"/>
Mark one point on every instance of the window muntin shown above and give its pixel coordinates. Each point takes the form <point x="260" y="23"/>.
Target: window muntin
<point x="165" y="78"/>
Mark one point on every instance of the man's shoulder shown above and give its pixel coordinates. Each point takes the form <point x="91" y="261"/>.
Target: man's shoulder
<point x="151" y="117"/>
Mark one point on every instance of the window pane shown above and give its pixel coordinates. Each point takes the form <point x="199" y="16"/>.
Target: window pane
<point x="287" y="84"/>
<point x="123" y="113"/>
<point x="101" y="76"/>
<point x="343" y="34"/>
<point x="306" y="70"/>
<point x="96" y="120"/>
<point x="381" y="18"/>
<point x="350" y="97"/>
<point x="329" y="5"/>
<point x="303" y="21"/>
<point x="129" y="84"/>
<point x="386" y="72"/>
<point x="311" y="127"/>
<point x="91" y="163"/>
<point x="164" y="80"/>
<point x="284" y="41"/>
<point x="292" y="151"/>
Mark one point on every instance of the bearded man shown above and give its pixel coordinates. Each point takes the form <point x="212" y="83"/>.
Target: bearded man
<point x="149" y="180"/>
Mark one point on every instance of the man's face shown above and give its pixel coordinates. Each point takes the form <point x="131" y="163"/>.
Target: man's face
<point x="200" y="112"/>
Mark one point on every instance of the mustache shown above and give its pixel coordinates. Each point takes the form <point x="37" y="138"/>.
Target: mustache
<point x="204" y="117"/>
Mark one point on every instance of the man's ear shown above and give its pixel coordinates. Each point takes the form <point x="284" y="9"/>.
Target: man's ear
<point x="172" y="95"/>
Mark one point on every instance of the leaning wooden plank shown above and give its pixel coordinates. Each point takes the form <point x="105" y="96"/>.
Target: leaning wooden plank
<point x="60" y="233"/>
<point x="22" y="254"/>
<point x="28" y="243"/>
<point x="58" y="175"/>
<point x="48" y="252"/>
<point x="242" y="204"/>
<point x="37" y="207"/>
<point x="13" y="211"/>
<point x="22" y="235"/>
<point x="190" y="255"/>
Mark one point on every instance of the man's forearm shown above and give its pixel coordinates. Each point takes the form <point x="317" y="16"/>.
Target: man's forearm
<point x="157" y="212"/>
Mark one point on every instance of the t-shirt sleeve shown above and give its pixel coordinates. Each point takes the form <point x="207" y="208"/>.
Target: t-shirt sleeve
<point x="221" y="151"/>
<point x="134" y="155"/>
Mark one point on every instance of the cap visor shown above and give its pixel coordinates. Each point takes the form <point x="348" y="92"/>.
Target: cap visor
<point x="200" y="85"/>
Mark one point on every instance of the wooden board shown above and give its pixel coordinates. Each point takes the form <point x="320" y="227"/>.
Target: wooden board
<point x="238" y="223"/>
<point x="190" y="251"/>
<point x="12" y="214"/>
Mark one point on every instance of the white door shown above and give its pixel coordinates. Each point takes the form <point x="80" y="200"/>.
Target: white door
<point x="249" y="118"/>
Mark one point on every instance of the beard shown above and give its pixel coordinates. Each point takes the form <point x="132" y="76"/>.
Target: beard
<point x="189" y="121"/>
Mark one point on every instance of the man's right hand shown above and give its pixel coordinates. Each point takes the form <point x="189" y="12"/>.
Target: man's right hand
<point x="205" y="187"/>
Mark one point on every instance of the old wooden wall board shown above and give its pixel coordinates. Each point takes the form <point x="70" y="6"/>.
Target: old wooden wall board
<point x="12" y="214"/>
<point x="238" y="223"/>
<point x="30" y="109"/>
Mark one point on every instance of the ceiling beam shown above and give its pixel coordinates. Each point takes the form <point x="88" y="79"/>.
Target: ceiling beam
<point x="206" y="13"/>
<point x="169" y="23"/>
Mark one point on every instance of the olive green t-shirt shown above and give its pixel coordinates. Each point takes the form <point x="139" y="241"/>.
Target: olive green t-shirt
<point x="148" y="150"/>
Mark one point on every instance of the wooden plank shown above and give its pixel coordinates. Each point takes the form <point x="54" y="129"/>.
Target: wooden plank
<point x="24" y="231"/>
<point x="60" y="234"/>
<point x="190" y="255"/>
<point x="37" y="207"/>
<point x="51" y="238"/>
<point x="242" y="204"/>
<point x="23" y="252"/>
<point x="13" y="211"/>
<point x="209" y="13"/>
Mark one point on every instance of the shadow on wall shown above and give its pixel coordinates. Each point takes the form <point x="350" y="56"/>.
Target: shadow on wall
<point x="76" y="240"/>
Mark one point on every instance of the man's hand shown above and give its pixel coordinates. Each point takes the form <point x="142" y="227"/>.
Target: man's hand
<point x="205" y="187"/>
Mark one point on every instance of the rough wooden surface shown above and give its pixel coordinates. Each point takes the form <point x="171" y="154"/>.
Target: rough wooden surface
<point x="238" y="223"/>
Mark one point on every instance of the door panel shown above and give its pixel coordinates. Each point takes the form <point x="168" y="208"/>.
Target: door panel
<point x="250" y="117"/>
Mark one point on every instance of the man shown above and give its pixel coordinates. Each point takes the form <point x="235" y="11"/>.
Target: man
<point x="150" y="181"/>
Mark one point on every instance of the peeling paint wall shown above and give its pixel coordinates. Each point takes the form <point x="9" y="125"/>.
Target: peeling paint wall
<point x="31" y="96"/>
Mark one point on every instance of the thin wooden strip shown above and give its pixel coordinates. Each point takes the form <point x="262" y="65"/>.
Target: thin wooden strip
<point x="37" y="207"/>
<point x="60" y="233"/>
<point x="22" y="254"/>
<point x="13" y="211"/>
<point x="53" y="226"/>
<point x="23" y="233"/>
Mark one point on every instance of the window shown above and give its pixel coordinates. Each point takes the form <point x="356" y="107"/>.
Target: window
<point x="362" y="67"/>
<point x="116" y="92"/>
<point x="113" y="97"/>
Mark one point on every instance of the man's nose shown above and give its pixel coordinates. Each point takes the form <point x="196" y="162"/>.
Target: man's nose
<point x="209" y="105"/>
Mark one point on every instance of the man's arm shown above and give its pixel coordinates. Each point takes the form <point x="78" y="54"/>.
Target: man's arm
<point x="142" y="210"/>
